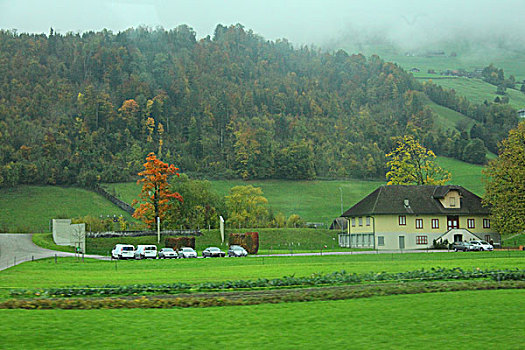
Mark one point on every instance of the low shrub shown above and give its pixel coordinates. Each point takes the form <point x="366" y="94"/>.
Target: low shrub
<point x="248" y="240"/>
<point x="179" y="242"/>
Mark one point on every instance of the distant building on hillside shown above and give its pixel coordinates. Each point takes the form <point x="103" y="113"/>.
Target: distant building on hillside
<point x="521" y="113"/>
<point x="413" y="217"/>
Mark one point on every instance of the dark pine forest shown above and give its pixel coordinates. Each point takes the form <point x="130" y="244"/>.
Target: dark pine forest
<point x="87" y="108"/>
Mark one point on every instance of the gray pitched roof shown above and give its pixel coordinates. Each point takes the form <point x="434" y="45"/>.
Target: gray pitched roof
<point x="420" y="199"/>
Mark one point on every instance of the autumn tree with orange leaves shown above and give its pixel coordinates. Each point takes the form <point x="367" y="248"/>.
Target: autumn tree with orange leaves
<point x="155" y="196"/>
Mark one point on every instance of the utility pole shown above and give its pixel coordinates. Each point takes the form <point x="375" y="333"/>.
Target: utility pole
<point x="341" y="190"/>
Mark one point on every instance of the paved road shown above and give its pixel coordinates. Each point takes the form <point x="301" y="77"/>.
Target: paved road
<point x="16" y="248"/>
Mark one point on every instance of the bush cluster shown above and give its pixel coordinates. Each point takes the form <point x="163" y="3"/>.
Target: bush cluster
<point x="276" y="296"/>
<point x="179" y="242"/>
<point x="248" y="240"/>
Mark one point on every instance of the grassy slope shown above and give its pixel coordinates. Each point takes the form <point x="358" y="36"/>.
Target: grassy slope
<point x="320" y="201"/>
<point x="70" y="272"/>
<point x="448" y="118"/>
<point x="368" y="324"/>
<point x="29" y="208"/>
<point x="315" y="201"/>
<point x="464" y="174"/>
<point x="477" y="91"/>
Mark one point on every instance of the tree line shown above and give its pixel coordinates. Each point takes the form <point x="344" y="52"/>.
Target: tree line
<point x="87" y="108"/>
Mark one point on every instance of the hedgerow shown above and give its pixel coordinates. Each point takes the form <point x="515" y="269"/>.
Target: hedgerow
<point x="253" y="297"/>
<point x="335" y="278"/>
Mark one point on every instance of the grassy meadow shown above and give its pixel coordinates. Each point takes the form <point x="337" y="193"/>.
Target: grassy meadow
<point x="72" y="272"/>
<point x="378" y="323"/>
<point x="314" y="201"/>
<point x="477" y="91"/>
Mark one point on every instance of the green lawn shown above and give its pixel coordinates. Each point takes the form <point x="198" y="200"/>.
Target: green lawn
<point x="70" y="272"/>
<point x="434" y="321"/>
<point x="30" y="208"/>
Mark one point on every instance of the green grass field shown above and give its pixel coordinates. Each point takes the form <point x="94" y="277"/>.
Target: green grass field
<point x="30" y="208"/>
<point x="71" y="272"/>
<point x="435" y="321"/>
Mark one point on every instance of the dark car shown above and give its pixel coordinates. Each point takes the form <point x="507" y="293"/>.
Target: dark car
<point x="237" y="251"/>
<point x="167" y="253"/>
<point x="213" y="252"/>
<point x="463" y="246"/>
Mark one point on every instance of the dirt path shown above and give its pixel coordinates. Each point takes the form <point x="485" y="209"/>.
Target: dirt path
<point x="16" y="248"/>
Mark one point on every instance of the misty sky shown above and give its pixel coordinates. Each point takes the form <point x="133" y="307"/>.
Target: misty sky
<point x="410" y="22"/>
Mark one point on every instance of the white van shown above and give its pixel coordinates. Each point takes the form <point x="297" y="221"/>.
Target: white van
<point x="146" y="252"/>
<point x="123" y="251"/>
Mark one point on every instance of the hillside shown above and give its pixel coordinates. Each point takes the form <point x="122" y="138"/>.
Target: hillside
<point x="29" y="208"/>
<point x="87" y="108"/>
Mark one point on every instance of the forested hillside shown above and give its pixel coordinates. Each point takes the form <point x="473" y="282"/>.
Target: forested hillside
<point x="87" y="108"/>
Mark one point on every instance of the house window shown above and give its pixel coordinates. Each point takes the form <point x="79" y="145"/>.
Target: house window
<point x="421" y="239"/>
<point x="435" y="223"/>
<point x="353" y="222"/>
<point x="488" y="238"/>
<point x="368" y="221"/>
<point x="419" y="223"/>
<point x="452" y="201"/>
<point x="471" y="223"/>
<point x="381" y="240"/>
<point x="486" y="223"/>
<point x="402" y="220"/>
<point x="360" y="221"/>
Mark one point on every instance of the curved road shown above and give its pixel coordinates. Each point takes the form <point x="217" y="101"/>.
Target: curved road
<point x="16" y="248"/>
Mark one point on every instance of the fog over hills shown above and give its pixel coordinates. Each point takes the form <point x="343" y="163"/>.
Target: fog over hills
<point x="403" y="24"/>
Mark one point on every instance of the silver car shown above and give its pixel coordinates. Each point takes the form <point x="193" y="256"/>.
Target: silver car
<point x="187" y="252"/>
<point x="237" y="251"/>
<point x="482" y="245"/>
<point x="167" y="253"/>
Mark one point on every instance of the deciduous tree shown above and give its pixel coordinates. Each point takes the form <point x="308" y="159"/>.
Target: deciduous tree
<point x="247" y="206"/>
<point x="155" y="195"/>
<point x="412" y="164"/>
<point x="505" y="184"/>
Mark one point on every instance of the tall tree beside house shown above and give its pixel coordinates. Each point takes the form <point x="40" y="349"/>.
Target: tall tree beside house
<point x="505" y="184"/>
<point x="155" y="194"/>
<point x="412" y="164"/>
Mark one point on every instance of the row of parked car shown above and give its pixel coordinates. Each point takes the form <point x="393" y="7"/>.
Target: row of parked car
<point x="472" y="246"/>
<point x="149" y="251"/>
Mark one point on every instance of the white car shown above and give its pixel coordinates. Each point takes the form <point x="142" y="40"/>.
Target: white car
<point x="146" y="252"/>
<point x="123" y="251"/>
<point x="482" y="245"/>
<point x="187" y="252"/>
<point x="167" y="253"/>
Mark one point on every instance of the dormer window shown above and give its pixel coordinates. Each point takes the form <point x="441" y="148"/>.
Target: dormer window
<point x="452" y="201"/>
